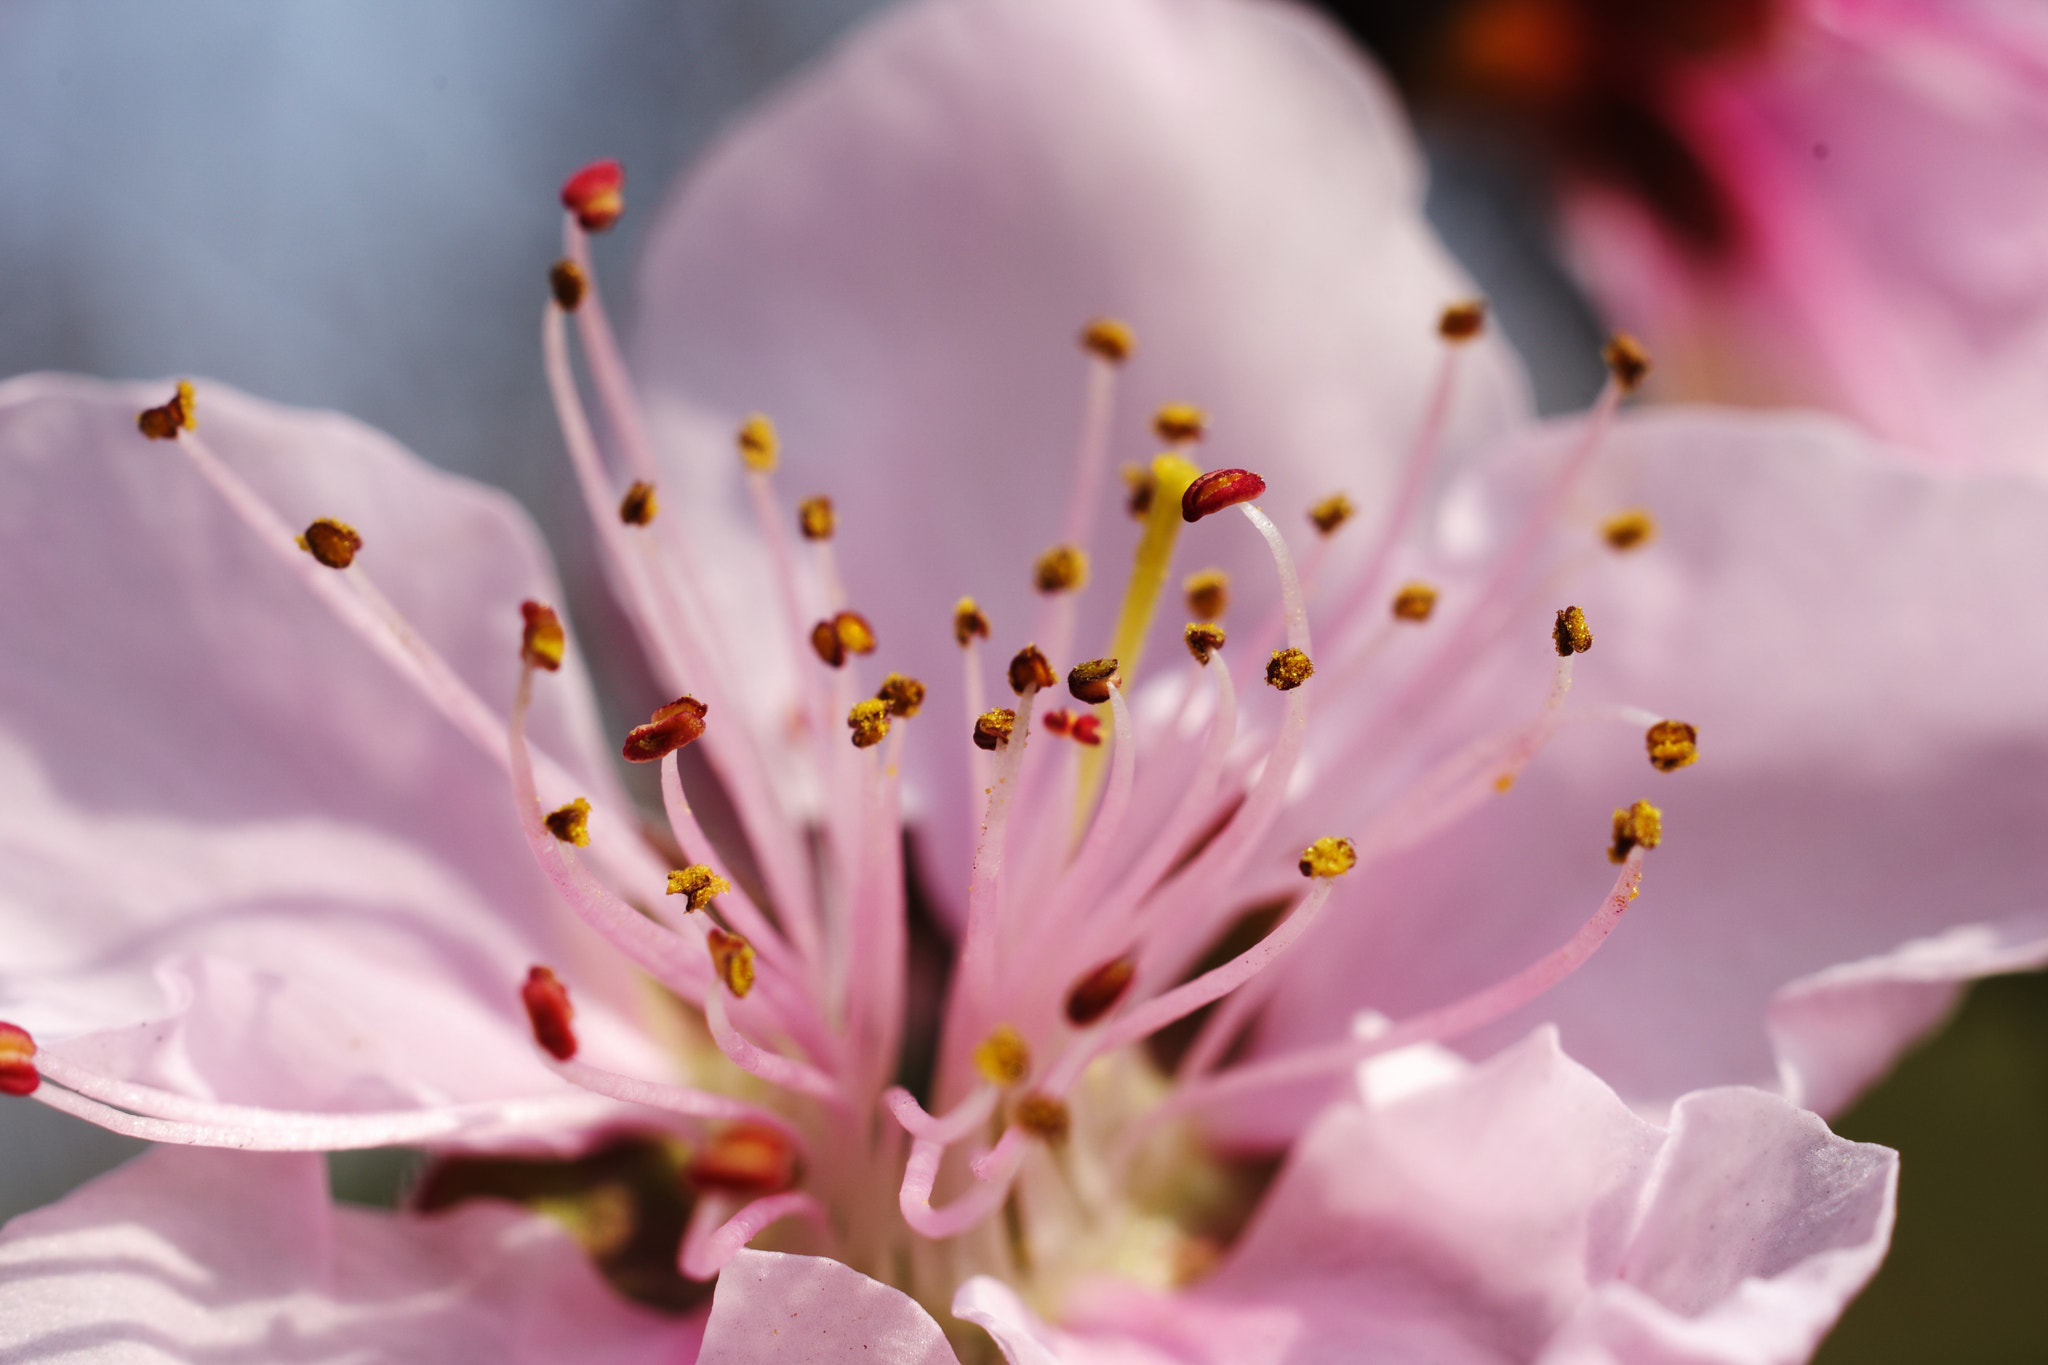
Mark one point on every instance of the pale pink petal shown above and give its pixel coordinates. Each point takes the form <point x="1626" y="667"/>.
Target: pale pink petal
<point x="773" y="1308"/>
<point x="194" y="1255"/>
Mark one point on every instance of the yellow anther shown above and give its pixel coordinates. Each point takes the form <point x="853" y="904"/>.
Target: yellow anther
<point x="1003" y="1058"/>
<point x="333" y="543"/>
<point x="1673" y="744"/>
<point x="1462" y="321"/>
<point x="1415" y="602"/>
<point x="180" y="414"/>
<point x="1629" y="530"/>
<point x="847" y="633"/>
<point x="903" y="695"/>
<point x="1640" y="826"/>
<point x="1288" y="669"/>
<point x="1109" y="339"/>
<point x="968" y="622"/>
<point x="1063" y="568"/>
<point x="1180" y="424"/>
<point x="1203" y="639"/>
<point x="732" y="957"/>
<point x="1571" y="634"/>
<point x="1142" y="485"/>
<point x="992" y="729"/>
<point x="1031" y="669"/>
<point x="699" y="883"/>
<point x="1331" y="513"/>
<point x="1091" y="682"/>
<point x="1328" y="856"/>
<point x="1044" y="1117"/>
<point x="758" y="446"/>
<point x="571" y="824"/>
<point x="815" y="518"/>
<point x="567" y="284"/>
<point x="869" y="721"/>
<point x="638" y="507"/>
<point x="1208" y="592"/>
<point x="542" y="642"/>
<point x="1626" y="360"/>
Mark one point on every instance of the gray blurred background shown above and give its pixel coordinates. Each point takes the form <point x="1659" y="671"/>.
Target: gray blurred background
<point x="351" y="206"/>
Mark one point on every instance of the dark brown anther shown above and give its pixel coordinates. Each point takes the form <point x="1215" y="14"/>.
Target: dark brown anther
<point x="1042" y="1116"/>
<point x="1415" y="602"/>
<point x="1626" y="360"/>
<point x="1030" y="669"/>
<point x="1203" y="639"/>
<point x="1180" y="424"/>
<point x="1332" y="512"/>
<point x="1208" y="593"/>
<point x="815" y="518"/>
<point x="1108" y="339"/>
<point x="542" y="642"/>
<point x="1571" y="635"/>
<point x="845" y="634"/>
<point x="1672" y="744"/>
<point x="903" y="695"/>
<point x="1462" y="321"/>
<point x="1288" y="669"/>
<point x="825" y="640"/>
<point x="596" y="195"/>
<point x="1100" y="991"/>
<point x="968" y="623"/>
<point x="180" y="414"/>
<point x="1090" y="682"/>
<point x="1063" y="568"/>
<point x="679" y="723"/>
<point x="1142" y="483"/>
<point x="571" y="823"/>
<point x="638" y="507"/>
<point x="333" y="543"/>
<point x="1218" y="489"/>
<point x="992" y="729"/>
<point x="549" y="1011"/>
<point x="1640" y="826"/>
<point x="869" y="721"/>
<point x="747" y="1158"/>
<point x="566" y="283"/>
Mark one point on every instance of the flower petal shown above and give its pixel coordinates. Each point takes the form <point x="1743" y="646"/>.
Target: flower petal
<point x="772" y="1307"/>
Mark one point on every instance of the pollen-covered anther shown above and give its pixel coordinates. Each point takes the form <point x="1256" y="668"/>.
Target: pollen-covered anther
<point x="745" y="1159"/>
<point x="1415" y="602"/>
<point x="334" y="543"/>
<point x="815" y="518"/>
<point x="1328" y="856"/>
<point x="596" y="195"/>
<point x="1108" y="339"/>
<point x="1640" y="826"/>
<point x="1090" y="682"/>
<point x="1063" y="568"/>
<point x="1571" y="634"/>
<point x="1180" y="424"/>
<point x="1288" y="669"/>
<point x="542" y="642"/>
<point x="699" y="883"/>
<point x="1672" y="744"/>
<point x="1042" y="1116"/>
<point x="571" y="823"/>
<point x="1630" y="530"/>
<point x="1003" y="1058"/>
<point x="1203" y="639"/>
<point x="1326" y="516"/>
<point x="1101" y="990"/>
<point x="1462" y="321"/>
<point x="732" y="957"/>
<point x="679" y="723"/>
<point x="638" y="507"/>
<point x="1031" y="669"/>
<point x="567" y="284"/>
<point x="903" y="695"/>
<point x="18" y="1074"/>
<point x="845" y="634"/>
<point x="549" y="1011"/>
<point x="180" y="414"/>
<point x="969" y="624"/>
<point x="759" y="446"/>
<point x="1626" y="360"/>
<point x="1141" y="483"/>
<point x="1208" y="593"/>
<point x="992" y="729"/>
<point x="1218" y="489"/>
<point x="869" y="721"/>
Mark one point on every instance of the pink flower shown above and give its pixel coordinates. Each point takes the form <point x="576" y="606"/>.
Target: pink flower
<point x="288" y="899"/>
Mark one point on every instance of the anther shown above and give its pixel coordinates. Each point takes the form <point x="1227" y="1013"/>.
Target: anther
<point x="679" y="723"/>
<point x="1142" y="483"/>
<point x="1415" y="602"/>
<point x="180" y="414"/>
<point x="1640" y="826"/>
<point x="732" y="957"/>
<point x="1109" y="340"/>
<point x="1571" y="634"/>
<point x="1331" y="513"/>
<point x="1030" y="669"/>
<point x="1208" y="592"/>
<point x="992" y="728"/>
<point x="1063" y="568"/>
<point x="1328" y="856"/>
<point x="1100" y="991"/>
<point x="1003" y="1058"/>
<point x="699" y="883"/>
<point x="18" y="1074"/>
<point x="1058" y="722"/>
<point x="759" y="447"/>
<point x="1042" y="1116"/>
<point x="815" y="518"/>
<point x="549" y="1011"/>
<point x="1626" y="360"/>
<point x="333" y="543"/>
<point x="869" y="721"/>
<point x="1628" y="530"/>
<point x="903" y="695"/>
<point x="1086" y="730"/>
<point x="1462" y="321"/>
<point x="1288" y="669"/>
<point x="746" y="1158"/>
<point x="1180" y="424"/>
<point x="596" y="195"/>
<point x="638" y="507"/>
<point x="571" y="823"/>
<point x="566" y="283"/>
<point x="1090" y="682"/>
<point x="1218" y="489"/>
<point x="1672" y="744"/>
<point x="847" y="633"/>
<point x="1203" y="639"/>
<point x="542" y="642"/>
<point x="968" y="622"/>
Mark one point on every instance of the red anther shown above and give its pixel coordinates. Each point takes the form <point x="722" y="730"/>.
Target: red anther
<point x="18" y="1074"/>
<point x="679" y="723"/>
<point x="542" y="642"/>
<point x="596" y="195"/>
<point x="1058" y="722"/>
<point x="1101" y="991"/>
<point x="1218" y="489"/>
<point x="549" y="1011"/>
<point x="1088" y="731"/>
<point x="747" y="1158"/>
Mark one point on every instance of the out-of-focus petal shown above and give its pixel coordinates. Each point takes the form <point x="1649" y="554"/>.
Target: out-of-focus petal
<point x="773" y="1307"/>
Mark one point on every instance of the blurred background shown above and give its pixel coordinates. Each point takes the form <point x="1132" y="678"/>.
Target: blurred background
<point x="351" y="206"/>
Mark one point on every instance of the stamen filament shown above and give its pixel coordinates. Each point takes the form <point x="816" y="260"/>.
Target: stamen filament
<point x="947" y="1129"/>
<point x="704" y="1253"/>
<point x="674" y="1099"/>
<point x="920" y="1173"/>
<point x="772" y="1067"/>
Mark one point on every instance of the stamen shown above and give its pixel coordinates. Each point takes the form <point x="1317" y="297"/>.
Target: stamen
<point x="1571" y="634"/>
<point x="869" y="721"/>
<point x="1462" y="321"/>
<point x="332" y="543"/>
<point x="705" y="1253"/>
<point x="1180" y="424"/>
<point x="1043" y="1117"/>
<point x="1208" y="593"/>
<point x="1003" y="1058"/>
<point x="844" y="634"/>
<point x="1415" y="602"/>
<point x="745" y="1159"/>
<point x="549" y="1011"/>
<point x="1203" y="640"/>
<point x="732" y="957"/>
<point x="1140" y="486"/>
<point x="1288" y="669"/>
<point x="543" y="641"/>
<point x="699" y="884"/>
<point x="968" y="622"/>
<point x="947" y="1129"/>
<point x="1626" y="360"/>
<point x="18" y="1074"/>
<point x="1331" y="513"/>
<point x="1673" y="745"/>
<point x="1218" y="489"/>
<point x="571" y="823"/>
<point x="180" y="414"/>
<point x="1058" y="722"/>
<point x="638" y="507"/>
<point x="596" y="195"/>
<point x="1108" y="339"/>
<point x="1063" y="568"/>
<point x="1100" y="991"/>
<point x="1030" y="670"/>
<point x="1630" y="530"/>
<point x="1640" y="826"/>
<point x="1086" y="730"/>
<point x="759" y="447"/>
<point x="568" y="285"/>
<point x="921" y="1171"/>
<point x="679" y="723"/>
<point x="993" y="728"/>
<point x="1091" y="682"/>
<point x="1328" y="857"/>
<point x="904" y="695"/>
<point x="815" y="518"/>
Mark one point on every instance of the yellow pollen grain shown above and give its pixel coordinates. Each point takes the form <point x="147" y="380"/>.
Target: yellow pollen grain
<point x="969" y="624"/>
<point x="1571" y="635"/>
<point x="1141" y="486"/>
<point x="903" y="695"/>
<point x="1108" y="339"/>
<point x="1626" y="360"/>
<point x="1003" y="1058"/>
<point x="1416" y="602"/>
<point x="1288" y="669"/>
<point x="1640" y="826"/>
<point x="1063" y="568"/>
<point x="1630" y="530"/>
<point x="1042" y="1116"/>
<point x="699" y="883"/>
<point x="1328" y="856"/>
<point x="1326" y="516"/>
<point x="732" y="957"/>
<point x="1672" y="744"/>
<point x="992" y="729"/>
<point x="815" y="518"/>
<point x="1203" y="639"/>
<point x="571" y="824"/>
<point x="333" y="543"/>
<point x="869" y="721"/>
<point x="638" y="507"/>
<point x="759" y="448"/>
<point x="1208" y="593"/>
<point x="1180" y="424"/>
